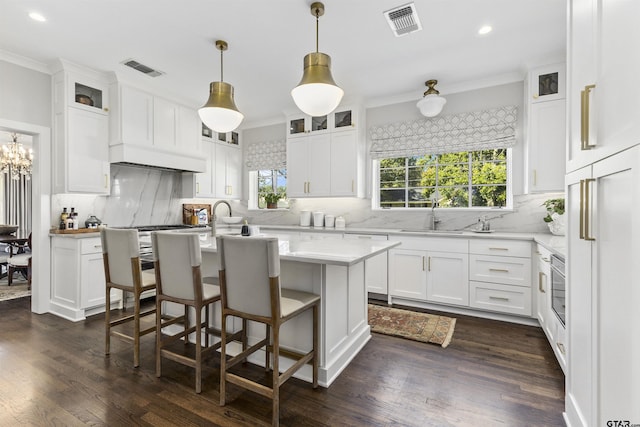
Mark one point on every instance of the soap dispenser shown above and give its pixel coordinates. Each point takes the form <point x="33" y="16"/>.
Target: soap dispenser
<point x="245" y="228"/>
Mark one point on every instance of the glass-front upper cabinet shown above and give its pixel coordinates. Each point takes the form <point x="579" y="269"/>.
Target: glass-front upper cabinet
<point x="232" y="137"/>
<point x="88" y="94"/>
<point x="343" y="119"/>
<point x="302" y="125"/>
<point x="547" y="83"/>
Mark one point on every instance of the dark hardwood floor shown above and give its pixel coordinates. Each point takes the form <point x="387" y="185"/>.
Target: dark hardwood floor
<point x="54" y="372"/>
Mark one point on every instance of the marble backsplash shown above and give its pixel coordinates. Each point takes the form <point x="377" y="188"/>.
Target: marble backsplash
<point x="139" y="196"/>
<point x="145" y="196"/>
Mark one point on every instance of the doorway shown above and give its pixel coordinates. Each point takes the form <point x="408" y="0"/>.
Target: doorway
<point x="41" y="210"/>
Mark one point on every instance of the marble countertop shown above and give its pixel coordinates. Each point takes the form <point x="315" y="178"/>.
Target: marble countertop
<point x="556" y="244"/>
<point x="327" y="251"/>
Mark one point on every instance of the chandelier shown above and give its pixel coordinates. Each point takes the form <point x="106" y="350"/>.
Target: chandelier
<point x="15" y="159"/>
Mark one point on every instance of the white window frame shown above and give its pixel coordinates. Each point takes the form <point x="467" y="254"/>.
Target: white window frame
<point x="375" y="196"/>
<point x="252" y="202"/>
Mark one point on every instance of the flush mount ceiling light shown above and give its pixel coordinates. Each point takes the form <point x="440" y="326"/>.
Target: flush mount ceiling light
<point x="485" y="29"/>
<point x="317" y="94"/>
<point x="220" y="112"/>
<point x="37" y="17"/>
<point x="432" y="103"/>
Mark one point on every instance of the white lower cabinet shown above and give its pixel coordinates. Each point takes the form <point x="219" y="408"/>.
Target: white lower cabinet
<point x="543" y="293"/>
<point x="500" y="274"/>
<point x="77" y="277"/>
<point x="430" y="270"/>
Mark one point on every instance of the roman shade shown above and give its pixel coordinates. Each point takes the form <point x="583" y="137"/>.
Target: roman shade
<point x="268" y="155"/>
<point x="471" y="131"/>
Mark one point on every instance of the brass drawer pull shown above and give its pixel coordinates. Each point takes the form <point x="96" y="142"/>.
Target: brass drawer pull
<point x="501" y="270"/>
<point x="499" y="298"/>
<point x="584" y="117"/>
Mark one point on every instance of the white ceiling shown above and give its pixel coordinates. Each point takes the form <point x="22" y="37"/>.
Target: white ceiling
<point x="268" y="40"/>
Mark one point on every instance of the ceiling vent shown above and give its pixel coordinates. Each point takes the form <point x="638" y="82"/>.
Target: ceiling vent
<point x="142" y="68"/>
<point x="403" y="19"/>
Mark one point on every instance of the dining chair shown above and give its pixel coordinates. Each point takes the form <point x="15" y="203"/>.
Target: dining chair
<point x="250" y="289"/>
<point x="122" y="270"/>
<point x="177" y="262"/>
<point x="19" y="261"/>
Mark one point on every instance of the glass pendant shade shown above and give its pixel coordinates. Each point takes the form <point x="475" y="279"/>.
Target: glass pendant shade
<point x="317" y="93"/>
<point x="432" y="103"/>
<point x="220" y="112"/>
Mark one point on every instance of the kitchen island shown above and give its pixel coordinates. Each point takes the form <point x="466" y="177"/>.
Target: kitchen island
<point x="331" y="268"/>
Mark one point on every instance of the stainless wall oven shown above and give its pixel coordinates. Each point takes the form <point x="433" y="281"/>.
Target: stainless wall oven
<point x="558" y="287"/>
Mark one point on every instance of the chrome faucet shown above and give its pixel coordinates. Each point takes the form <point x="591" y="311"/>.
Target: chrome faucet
<point x="213" y="215"/>
<point x="434" y="220"/>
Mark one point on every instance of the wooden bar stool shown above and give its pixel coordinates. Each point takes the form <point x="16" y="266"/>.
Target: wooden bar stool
<point x="177" y="261"/>
<point x="250" y="289"/>
<point x="122" y="269"/>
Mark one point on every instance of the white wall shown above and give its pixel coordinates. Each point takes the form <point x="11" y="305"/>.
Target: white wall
<point x="25" y="94"/>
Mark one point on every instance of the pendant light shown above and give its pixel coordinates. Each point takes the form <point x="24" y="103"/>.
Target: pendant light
<point x="432" y="103"/>
<point x="220" y="112"/>
<point x="317" y="94"/>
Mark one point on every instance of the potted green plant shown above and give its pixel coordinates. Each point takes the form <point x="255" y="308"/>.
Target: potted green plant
<point x="555" y="215"/>
<point x="271" y="199"/>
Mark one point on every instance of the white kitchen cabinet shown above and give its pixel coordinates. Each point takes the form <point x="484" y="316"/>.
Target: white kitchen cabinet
<point x="500" y="276"/>
<point x="603" y="320"/>
<point x="543" y="294"/>
<point x="77" y="277"/>
<point x="375" y="268"/>
<point x="309" y="166"/>
<point x="448" y="278"/>
<point x="136" y="108"/>
<point x="80" y="131"/>
<point x="546" y="140"/>
<point x="407" y="274"/>
<point x="200" y="185"/>
<point x="302" y="125"/>
<point x="324" y="158"/>
<point x="604" y="99"/>
<point x="430" y="270"/>
<point x="344" y="164"/>
<point x="228" y="171"/>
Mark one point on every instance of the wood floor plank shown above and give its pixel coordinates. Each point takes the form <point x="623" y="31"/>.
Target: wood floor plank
<point x="492" y="374"/>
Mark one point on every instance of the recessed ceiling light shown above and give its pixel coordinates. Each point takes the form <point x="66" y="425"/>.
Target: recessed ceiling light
<point x="37" y="17"/>
<point x="485" y="29"/>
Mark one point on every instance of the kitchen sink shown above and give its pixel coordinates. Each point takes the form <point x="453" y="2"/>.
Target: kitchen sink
<point x="432" y="231"/>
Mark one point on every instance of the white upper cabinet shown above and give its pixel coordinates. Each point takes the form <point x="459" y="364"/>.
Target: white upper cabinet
<point x="80" y="130"/>
<point x="228" y="171"/>
<point x="546" y="129"/>
<point x="324" y="157"/>
<point x="604" y="99"/>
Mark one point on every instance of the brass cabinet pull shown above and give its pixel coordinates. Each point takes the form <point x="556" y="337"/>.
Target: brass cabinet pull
<point x="352" y="185"/>
<point x="584" y="117"/>
<point x="581" y="209"/>
<point x="429" y="264"/>
<point x="498" y="249"/>
<point x="423" y="262"/>
<point x="540" y="288"/>
<point x="587" y="210"/>
<point x="197" y="188"/>
<point x="308" y="187"/>
<point x="106" y="181"/>
<point x="560" y="347"/>
<point x="498" y="298"/>
<point x="535" y="177"/>
<point x="501" y="270"/>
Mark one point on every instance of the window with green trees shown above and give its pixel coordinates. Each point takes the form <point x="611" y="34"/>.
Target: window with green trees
<point x="272" y="182"/>
<point x="460" y="180"/>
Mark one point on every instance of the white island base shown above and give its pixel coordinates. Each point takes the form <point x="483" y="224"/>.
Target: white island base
<point x="340" y="282"/>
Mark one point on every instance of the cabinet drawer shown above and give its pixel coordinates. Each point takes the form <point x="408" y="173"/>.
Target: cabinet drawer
<point x="500" y="298"/>
<point x="91" y="245"/>
<point x="516" y="248"/>
<point x="429" y="243"/>
<point x="500" y="269"/>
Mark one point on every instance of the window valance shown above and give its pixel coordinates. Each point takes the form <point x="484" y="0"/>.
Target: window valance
<point x="267" y="155"/>
<point x="476" y="130"/>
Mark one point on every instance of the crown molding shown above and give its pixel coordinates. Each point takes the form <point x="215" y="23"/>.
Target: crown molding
<point x="23" y="61"/>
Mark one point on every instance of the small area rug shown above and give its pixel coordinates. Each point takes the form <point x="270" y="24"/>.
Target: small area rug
<point x="17" y="290"/>
<point x="412" y="325"/>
